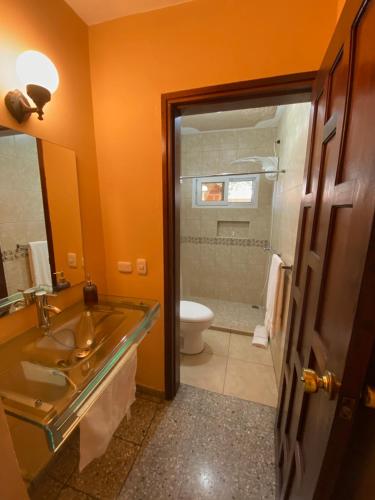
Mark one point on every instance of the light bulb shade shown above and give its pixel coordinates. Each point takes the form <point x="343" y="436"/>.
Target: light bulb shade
<point x="37" y="69"/>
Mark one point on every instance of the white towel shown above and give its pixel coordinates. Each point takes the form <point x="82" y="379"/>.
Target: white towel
<point x="106" y="413"/>
<point x="260" y="337"/>
<point x="274" y="301"/>
<point x="39" y="263"/>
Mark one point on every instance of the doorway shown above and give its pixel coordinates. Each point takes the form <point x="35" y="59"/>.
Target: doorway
<point x="241" y="184"/>
<point x="176" y="107"/>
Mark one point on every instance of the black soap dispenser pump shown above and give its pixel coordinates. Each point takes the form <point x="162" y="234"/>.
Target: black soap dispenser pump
<point x="90" y="293"/>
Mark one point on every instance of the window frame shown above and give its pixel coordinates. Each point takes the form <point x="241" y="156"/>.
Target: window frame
<point x="197" y="190"/>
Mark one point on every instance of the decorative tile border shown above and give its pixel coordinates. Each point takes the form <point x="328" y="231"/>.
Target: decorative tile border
<point x="221" y="240"/>
<point x="18" y="253"/>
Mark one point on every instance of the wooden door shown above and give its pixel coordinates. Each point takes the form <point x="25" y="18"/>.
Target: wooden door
<point x="3" y="284"/>
<point x="326" y="328"/>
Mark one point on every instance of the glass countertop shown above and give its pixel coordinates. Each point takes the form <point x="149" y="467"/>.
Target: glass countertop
<point x="46" y="379"/>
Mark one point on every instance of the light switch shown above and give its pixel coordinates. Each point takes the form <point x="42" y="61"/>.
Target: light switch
<point x="125" y="267"/>
<point x="72" y="259"/>
<point x="141" y="266"/>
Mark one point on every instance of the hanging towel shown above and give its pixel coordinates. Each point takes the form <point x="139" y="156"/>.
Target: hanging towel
<point x="260" y="337"/>
<point x="274" y="301"/>
<point x="39" y="263"/>
<point x="108" y="410"/>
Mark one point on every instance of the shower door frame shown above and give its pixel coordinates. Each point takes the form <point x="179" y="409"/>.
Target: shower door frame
<point x="287" y="89"/>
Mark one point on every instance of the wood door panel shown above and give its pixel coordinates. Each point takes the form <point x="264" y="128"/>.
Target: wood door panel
<point x="316" y="130"/>
<point x="335" y="224"/>
<point x="362" y="84"/>
<point x="334" y="322"/>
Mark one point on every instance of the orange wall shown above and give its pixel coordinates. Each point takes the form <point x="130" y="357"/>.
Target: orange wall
<point x="137" y="58"/>
<point x="53" y="28"/>
<point x="340" y="6"/>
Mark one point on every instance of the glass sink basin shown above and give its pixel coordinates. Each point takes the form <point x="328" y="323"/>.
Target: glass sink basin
<point x="58" y="349"/>
<point x="46" y="380"/>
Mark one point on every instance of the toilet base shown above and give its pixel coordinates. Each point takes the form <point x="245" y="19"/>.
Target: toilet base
<point x="191" y="343"/>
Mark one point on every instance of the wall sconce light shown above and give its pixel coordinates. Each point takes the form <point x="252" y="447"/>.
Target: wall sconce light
<point x="40" y="76"/>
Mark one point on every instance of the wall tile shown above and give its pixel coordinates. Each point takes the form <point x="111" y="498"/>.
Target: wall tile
<point x="222" y="271"/>
<point x="292" y="132"/>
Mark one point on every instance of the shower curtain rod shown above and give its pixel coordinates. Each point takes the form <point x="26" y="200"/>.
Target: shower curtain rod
<point x="231" y="174"/>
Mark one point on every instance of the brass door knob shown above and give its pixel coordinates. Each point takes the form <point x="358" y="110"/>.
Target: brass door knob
<point x="313" y="382"/>
<point x="369" y="397"/>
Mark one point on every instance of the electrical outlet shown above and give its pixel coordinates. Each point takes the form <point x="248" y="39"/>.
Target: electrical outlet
<point x="72" y="259"/>
<point x="141" y="266"/>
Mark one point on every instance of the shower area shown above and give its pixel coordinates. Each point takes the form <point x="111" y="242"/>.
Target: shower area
<point x="241" y="183"/>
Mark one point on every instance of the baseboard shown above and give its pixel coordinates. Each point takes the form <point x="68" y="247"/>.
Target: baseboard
<point x="149" y="391"/>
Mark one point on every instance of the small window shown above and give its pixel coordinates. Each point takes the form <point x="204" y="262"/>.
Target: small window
<point x="226" y="191"/>
<point x="212" y="191"/>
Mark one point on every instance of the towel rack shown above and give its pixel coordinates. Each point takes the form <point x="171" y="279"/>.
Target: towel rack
<point x="270" y="249"/>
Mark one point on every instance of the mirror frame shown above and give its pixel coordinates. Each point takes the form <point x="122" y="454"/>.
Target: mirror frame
<point x="47" y="218"/>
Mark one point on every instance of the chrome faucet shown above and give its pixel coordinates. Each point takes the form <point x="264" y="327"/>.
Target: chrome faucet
<point x="44" y="309"/>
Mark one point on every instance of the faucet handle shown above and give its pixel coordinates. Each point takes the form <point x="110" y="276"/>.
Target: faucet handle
<point x="28" y="295"/>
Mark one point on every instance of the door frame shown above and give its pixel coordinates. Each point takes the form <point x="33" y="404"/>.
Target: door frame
<point x="286" y="89"/>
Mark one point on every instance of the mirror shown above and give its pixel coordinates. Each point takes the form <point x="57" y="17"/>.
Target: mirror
<point x="40" y="224"/>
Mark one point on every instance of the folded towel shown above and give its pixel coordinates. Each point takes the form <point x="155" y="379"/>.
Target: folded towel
<point x="274" y="300"/>
<point x="39" y="263"/>
<point x="260" y="337"/>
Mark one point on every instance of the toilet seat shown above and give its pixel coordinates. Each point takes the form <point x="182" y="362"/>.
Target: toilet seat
<point x="192" y="312"/>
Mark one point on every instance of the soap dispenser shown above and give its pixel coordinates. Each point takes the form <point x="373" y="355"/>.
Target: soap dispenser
<point x="90" y="293"/>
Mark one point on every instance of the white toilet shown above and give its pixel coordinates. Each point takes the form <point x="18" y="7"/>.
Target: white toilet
<point x="194" y="319"/>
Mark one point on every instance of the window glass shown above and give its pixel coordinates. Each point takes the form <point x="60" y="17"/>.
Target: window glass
<point x="212" y="191"/>
<point x="226" y="191"/>
<point x="240" y="191"/>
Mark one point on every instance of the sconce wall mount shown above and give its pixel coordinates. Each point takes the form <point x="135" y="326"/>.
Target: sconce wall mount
<point x="38" y="73"/>
<point x="19" y="107"/>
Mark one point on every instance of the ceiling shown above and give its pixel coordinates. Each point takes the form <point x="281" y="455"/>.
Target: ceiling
<point x="98" y="11"/>
<point x="241" y="118"/>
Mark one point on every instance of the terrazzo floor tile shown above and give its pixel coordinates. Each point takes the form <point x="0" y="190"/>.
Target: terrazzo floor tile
<point x="251" y="381"/>
<point x="135" y="429"/>
<point x="247" y="415"/>
<point x="46" y="488"/>
<point x="104" y="477"/>
<point x="200" y="451"/>
<point x="68" y="493"/>
<point x="240" y="347"/>
<point x="200" y="445"/>
<point x="203" y="370"/>
<point x="64" y="464"/>
<point x="157" y="472"/>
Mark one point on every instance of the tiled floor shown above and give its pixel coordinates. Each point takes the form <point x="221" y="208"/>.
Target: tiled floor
<point x="231" y="365"/>
<point x="202" y="445"/>
<point x="233" y="316"/>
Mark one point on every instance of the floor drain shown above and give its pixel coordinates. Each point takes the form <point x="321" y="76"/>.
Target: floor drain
<point x="255" y="307"/>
